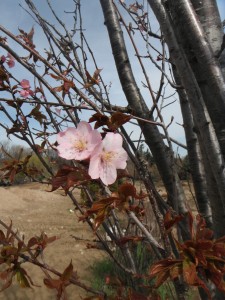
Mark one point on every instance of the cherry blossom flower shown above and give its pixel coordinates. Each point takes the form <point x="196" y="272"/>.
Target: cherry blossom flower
<point x="78" y="143"/>
<point x="9" y="59"/>
<point x="25" y="84"/>
<point x="26" y="92"/>
<point x="107" y="157"/>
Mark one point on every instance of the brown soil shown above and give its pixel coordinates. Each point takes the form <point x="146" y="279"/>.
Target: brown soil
<point x="34" y="210"/>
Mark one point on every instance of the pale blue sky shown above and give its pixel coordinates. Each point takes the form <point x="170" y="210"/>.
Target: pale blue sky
<point x="13" y="16"/>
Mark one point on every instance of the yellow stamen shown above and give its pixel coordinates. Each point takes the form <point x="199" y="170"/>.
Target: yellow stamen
<point x="107" y="156"/>
<point x="80" y="145"/>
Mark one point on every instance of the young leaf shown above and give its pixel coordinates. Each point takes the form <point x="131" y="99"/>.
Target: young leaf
<point x="118" y="119"/>
<point x="92" y="80"/>
<point x="68" y="177"/>
<point x="37" y="114"/>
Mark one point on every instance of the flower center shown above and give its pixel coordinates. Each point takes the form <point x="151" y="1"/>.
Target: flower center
<point x="107" y="156"/>
<point x="80" y="145"/>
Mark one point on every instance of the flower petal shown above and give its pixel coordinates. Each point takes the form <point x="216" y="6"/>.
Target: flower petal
<point x="112" y="141"/>
<point x="94" y="167"/>
<point x="108" y="173"/>
<point x="25" y="84"/>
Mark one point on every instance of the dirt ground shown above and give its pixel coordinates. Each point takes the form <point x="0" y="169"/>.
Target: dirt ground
<point x="34" y="210"/>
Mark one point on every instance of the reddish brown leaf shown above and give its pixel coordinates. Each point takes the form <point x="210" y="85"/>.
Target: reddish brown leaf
<point x="127" y="190"/>
<point x="118" y="119"/>
<point x="219" y="249"/>
<point x="3" y="75"/>
<point x="163" y="265"/>
<point x="127" y="239"/>
<point x="2" y="236"/>
<point x="52" y="283"/>
<point x="170" y="221"/>
<point x="6" y="276"/>
<point x="68" y="272"/>
<point x="191" y="226"/>
<point x="37" y="114"/>
<point x="68" y="177"/>
<point x="214" y="274"/>
<point x="58" y="88"/>
<point x="191" y="276"/>
<point x="101" y="209"/>
<point x="100" y="120"/>
<point x="56" y="77"/>
<point x="204" y="245"/>
<point x="32" y="242"/>
<point x="92" y="80"/>
<point x="161" y="278"/>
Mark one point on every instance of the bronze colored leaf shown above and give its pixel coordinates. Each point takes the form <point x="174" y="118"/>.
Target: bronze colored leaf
<point x="92" y="80"/>
<point x="100" y="120"/>
<point x="170" y="221"/>
<point x="68" y="272"/>
<point x="68" y="177"/>
<point x="118" y="119"/>
<point x="127" y="239"/>
<point x="37" y="114"/>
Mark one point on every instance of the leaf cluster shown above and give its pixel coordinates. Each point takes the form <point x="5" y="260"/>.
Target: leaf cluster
<point x="201" y="259"/>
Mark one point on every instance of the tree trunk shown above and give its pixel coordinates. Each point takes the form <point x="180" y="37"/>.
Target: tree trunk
<point x="201" y="48"/>
<point x="161" y="153"/>
<point x="194" y="156"/>
<point x="202" y="121"/>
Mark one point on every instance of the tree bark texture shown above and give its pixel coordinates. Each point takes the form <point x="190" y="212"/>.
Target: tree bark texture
<point x="201" y="47"/>
<point x="160" y="151"/>
<point x="202" y="121"/>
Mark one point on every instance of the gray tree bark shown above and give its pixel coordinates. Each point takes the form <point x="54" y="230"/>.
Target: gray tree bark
<point x="201" y="48"/>
<point x="151" y="133"/>
<point x="204" y="128"/>
<point x="195" y="157"/>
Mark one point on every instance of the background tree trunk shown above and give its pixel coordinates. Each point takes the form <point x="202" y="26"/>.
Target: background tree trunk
<point x="203" y="126"/>
<point x="161" y="153"/>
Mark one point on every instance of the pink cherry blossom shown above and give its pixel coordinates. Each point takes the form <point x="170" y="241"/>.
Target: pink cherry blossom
<point x="25" y="84"/>
<point x="78" y="143"/>
<point x="10" y="60"/>
<point x="107" y="157"/>
<point x="26" y="92"/>
<point x="3" y="58"/>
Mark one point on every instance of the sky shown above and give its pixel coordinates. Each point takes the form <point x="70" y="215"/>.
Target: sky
<point x="14" y="16"/>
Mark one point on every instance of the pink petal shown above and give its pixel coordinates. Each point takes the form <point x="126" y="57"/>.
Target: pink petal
<point x="84" y="128"/>
<point x="11" y="63"/>
<point x="24" y="93"/>
<point x="66" y="135"/>
<point x="108" y="173"/>
<point x="120" y="159"/>
<point x="11" y="60"/>
<point x="112" y="141"/>
<point x="95" y="139"/>
<point x="65" y="151"/>
<point x="25" y="84"/>
<point x="3" y="58"/>
<point x="94" y="167"/>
